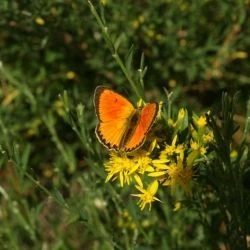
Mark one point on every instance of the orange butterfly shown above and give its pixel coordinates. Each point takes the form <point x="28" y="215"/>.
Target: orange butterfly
<point x="121" y="126"/>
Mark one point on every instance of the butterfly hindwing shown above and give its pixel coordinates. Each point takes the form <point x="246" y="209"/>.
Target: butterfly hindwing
<point x="111" y="134"/>
<point x="146" y="119"/>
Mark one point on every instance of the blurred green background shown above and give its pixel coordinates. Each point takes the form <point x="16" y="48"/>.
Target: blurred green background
<point x="196" y="49"/>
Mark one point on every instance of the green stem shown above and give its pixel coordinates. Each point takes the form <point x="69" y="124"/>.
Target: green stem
<point x="126" y="73"/>
<point x="45" y="190"/>
<point x="113" y="50"/>
<point x="6" y="137"/>
<point x="63" y="150"/>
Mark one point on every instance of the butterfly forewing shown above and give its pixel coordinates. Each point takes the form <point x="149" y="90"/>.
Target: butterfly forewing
<point x="111" y="106"/>
<point x="146" y="119"/>
<point x="114" y="112"/>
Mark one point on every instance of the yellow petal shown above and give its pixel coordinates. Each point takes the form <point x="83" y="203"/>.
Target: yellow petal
<point x="149" y="169"/>
<point x="138" y="180"/>
<point x="161" y="166"/>
<point x="157" y="174"/>
<point x="153" y="187"/>
<point x="152" y="146"/>
<point x="140" y="189"/>
<point x="158" y="161"/>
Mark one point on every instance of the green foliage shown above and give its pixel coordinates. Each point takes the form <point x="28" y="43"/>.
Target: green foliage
<point x="53" y="55"/>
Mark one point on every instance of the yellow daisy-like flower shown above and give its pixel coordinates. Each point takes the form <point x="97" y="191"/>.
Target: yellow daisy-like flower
<point x="144" y="164"/>
<point x="175" y="174"/>
<point x="142" y="160"/>
<point x="172" y="149"/>
<point x="178" y="175"/>
<point x="147" y="196"/>
<point x="119" y="166"/>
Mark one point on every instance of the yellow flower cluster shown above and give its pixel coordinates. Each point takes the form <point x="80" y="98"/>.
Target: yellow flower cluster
<point x="163" y="164"/>
<point x="201" y="137"/>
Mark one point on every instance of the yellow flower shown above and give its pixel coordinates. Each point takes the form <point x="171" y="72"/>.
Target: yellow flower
<point x="172" y="149"/>
<point x="233" y="154"/>
<point x="196" y="152"/>
<point x="70" y="75"/>
<point x="203" y="150"/>
<point x="194" y="145"/>
<point x="181" y="114"/>
<point x="144" y="164"/>
<point x="58" y="106"/>
<point x="182" y="120"/>
<point x="119" y="166"/>
<point x="177" y="206"/>
<point x="147" y="196"/>
<point x="175" y="174"/>
<point x="201" y="122"/>
<point x="208" y="137"/>
<point x="178" y="175"/>
<point x="197" y="147"/>
<point x="104" y="2"/>
<point x="142" y="161"/>
<point x="40" y="21"/>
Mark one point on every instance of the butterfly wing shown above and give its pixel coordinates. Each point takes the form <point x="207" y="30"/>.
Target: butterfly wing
<point x="114" y="113"/>
<point x="146" y="119"/>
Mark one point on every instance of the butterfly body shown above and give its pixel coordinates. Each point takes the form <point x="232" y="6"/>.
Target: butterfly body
<point x="121" y="126"/>
<point x="131" y="126"/>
